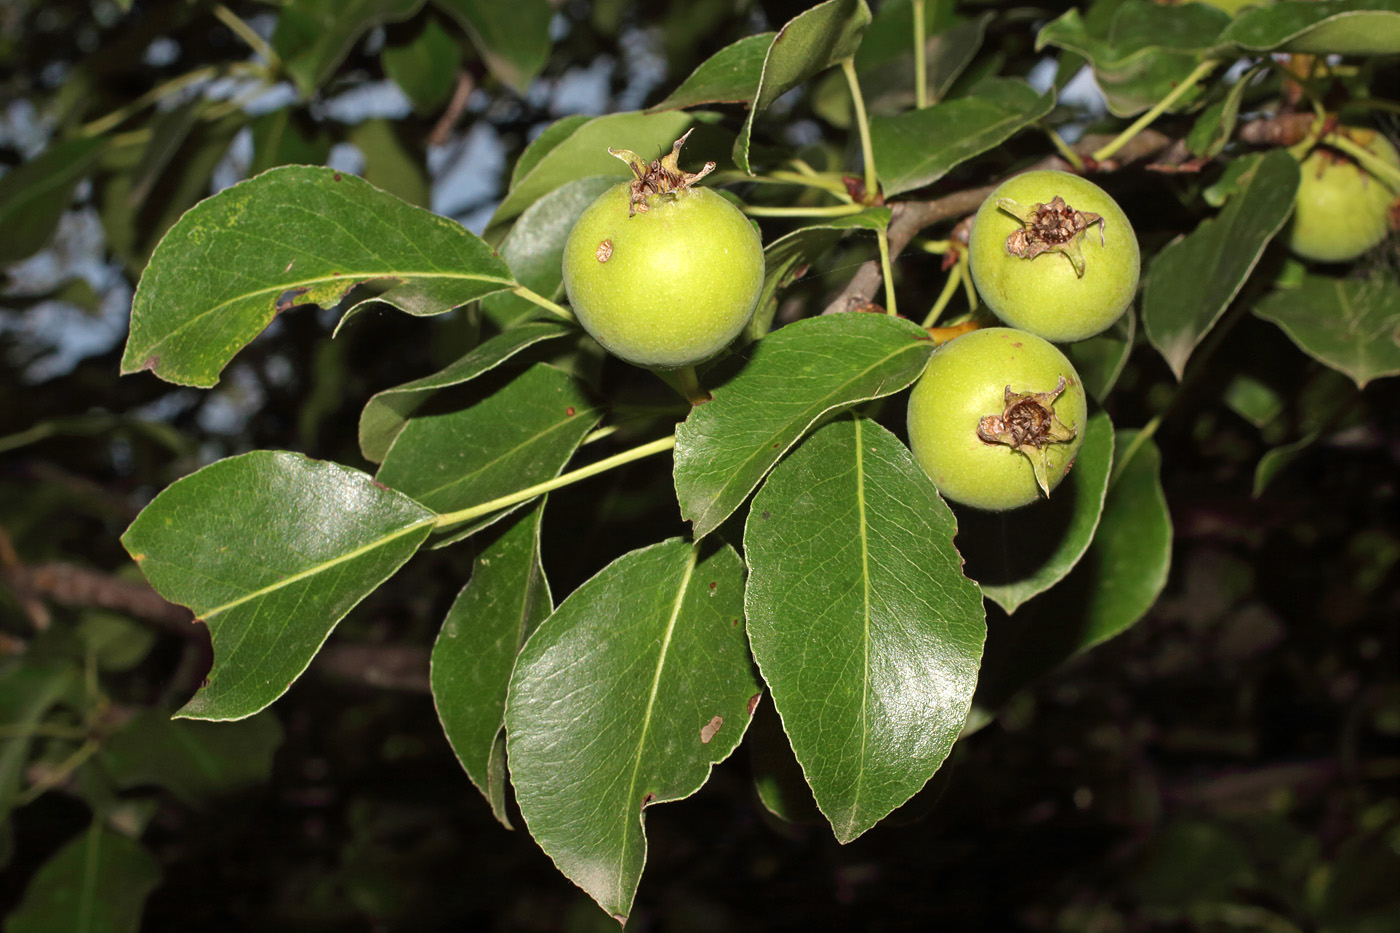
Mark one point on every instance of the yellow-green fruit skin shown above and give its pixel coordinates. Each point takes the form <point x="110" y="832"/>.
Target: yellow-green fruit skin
<point x="966" y="379"/>
<point x="1044" y="295"/>
<point x="667" y="287"/>
<point x="1341" y="210"/>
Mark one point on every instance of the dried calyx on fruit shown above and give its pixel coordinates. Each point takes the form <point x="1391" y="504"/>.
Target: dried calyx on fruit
<point x="1053" y="227"/>
<point x="1028" y="424"/>
<point x="659" y="176"/>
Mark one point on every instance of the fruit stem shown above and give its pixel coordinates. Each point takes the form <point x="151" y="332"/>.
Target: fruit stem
<point x="883" y="236"/>
<point x="833" y="210"/>
<point x="544" y="302"/>
<point x="1159" y="108"/>
<point x="1368" y="159"/>
<point x="949" y="287"/>
<point x="593" y="469"/>
<point x="691" y="388"/>
<point x="248" y="34"/>
<point x="1063" y="148"/>
<point x="920" y="64"/>
<point x="867" y="151"/>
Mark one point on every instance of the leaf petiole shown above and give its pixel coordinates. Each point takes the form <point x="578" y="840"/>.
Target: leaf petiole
<point x="544" y="302"/>
<point x="867" y="151"/>
<point x="1157" y="109"/>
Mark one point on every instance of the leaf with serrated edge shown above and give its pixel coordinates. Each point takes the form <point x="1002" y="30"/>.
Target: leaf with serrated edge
<point x="865" y="629"/>
<point x="1351" y="325"/>
<point x="504" y="602"/>
<point x="810" y="42"/>
<point x="1032" y="549"/>
<point x="625" y="697"/>
<point x="270" y="549"/>
<point x="293" y="235"/>
<point x="522" y="434"/>
<point x="731" y="75"/>
<point x="794" y="377"/>
<point x="386" y="413"/>
<point x="1193" y="280"/>
<point x="919" y="147"/>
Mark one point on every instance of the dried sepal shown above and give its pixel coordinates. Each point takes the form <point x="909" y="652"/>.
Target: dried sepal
<point x="1028" y="424"/>
<point x="659" y="176"/>
<point x="1053" y="227"/>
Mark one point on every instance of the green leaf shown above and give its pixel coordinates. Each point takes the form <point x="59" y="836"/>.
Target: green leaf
<point x="789" y="255"/>
<point x="919" y="147"/>
<point x="1351" y="325"/>
<point x="270" y="550"/>
<point x="388" y="165"/>
<point x="169" y="130"/>
<point x="290" y="236"/>
<point x="314" y="36"/>
<point x="386" y="413"/>
<point x="625" y="697"/>
<point x="1216" y="124"/>
<point x="729" y="76"/>
<point x="1100" y="360"/>
<point x="809" y="43"/>
<point x="505" y="601"/>
<point x="1020" y="554"/>
<point x="1142" y="52"/>
<point x="97" y="883"/>
<point x="425" y="68"/>
<point x="513" y="38"/>
<point x="861" y="620"/>
<point x="27" y="693"/>
<point x="794" y="378"/>
<point x="1344" y="27"/>
<point x="192" y="760"/>
<point x="34" y="195"/>
<point x="534" y="248"/>
<point x="1193" y="280"/>
<point x="1276" y="459"/>
<point x="522" y="434"/>
<point x="576" y="149"/>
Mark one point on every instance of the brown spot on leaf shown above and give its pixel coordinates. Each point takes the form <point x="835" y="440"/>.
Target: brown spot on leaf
<point x="708" y="730"/>
<point x="734" y="624"/>
<point x="151" y="362"/>
<point x="648" y="799"/>
<point x="289" y="266"/>
<point x="753" y="702"/>
<point x="336" y="176"/>
<point x="569" y="411"/>
<point x="765" y="514"/>
<point x="712" y="588"/>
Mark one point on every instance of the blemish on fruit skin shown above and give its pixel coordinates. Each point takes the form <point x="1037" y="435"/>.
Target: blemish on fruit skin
<point x="336" y="176"/>
<point x="604" y="251"/>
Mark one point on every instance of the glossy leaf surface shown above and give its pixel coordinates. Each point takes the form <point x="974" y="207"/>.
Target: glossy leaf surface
<point x="731" y="75"/>
<point x="270" y="550"/>
<point x="503" y="603"/>
<point x="1351" y="325"/>
<point x="810" y="42"/>
<point x="793" y="378"/>
<point x="386" y="413"/>
<point x="1193" y="280"/>
<point x="1344" y="27"/>
<point x="97" y="883"/>
<point x="424" y="68"/>
<point x="919" y="147"/>
<point x="625" y="697"/>
<point x="865" y="629"/>
<point x="522" y="434"/>
<point x="1142" y="52"/>
<point x="1019" y="554"/>
<point x="291" y="236"/>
